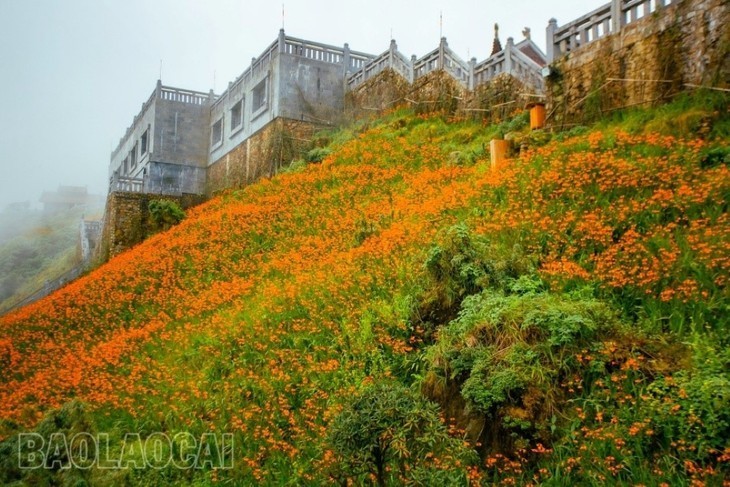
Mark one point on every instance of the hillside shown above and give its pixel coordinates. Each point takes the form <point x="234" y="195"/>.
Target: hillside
<point x="35" y="247"/>
<point x="567" y="312"/>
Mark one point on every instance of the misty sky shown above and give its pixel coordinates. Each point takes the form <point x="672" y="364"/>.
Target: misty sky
<point x="75" y="72"/>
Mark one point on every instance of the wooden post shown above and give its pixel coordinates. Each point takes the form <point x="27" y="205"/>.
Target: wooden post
<point x="537" y="116"/>
<point x="498" y="150"/>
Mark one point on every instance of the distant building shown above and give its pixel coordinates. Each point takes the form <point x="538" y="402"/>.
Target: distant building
<point x="18" y="207"/>
<point x="68" y="197"/>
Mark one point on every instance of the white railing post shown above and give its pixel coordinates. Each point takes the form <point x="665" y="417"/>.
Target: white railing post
<point x="346" y="61"/>
<point x="442" y="53"/>
<point x="617" y="16"/>
<point x="391" y="53"/>
<point x="550" y="40"/>
<point x="508" y="55"/>
<point x="282" y="40"/>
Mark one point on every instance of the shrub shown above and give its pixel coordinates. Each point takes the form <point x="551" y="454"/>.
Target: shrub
<point x="509" y="350"/>
<point x="164" y="214"/>
<point x="462" y="264"/>
<point x="317" y="154"/>
<point x="394" y="434"/>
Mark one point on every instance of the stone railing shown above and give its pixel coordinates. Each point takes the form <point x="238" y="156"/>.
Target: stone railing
<point x="392" y="58"/>
<point x="470" y="75"/>
<point x="351" y="60"/>
<point x="599" y="23"/>
<point x="184" y="96"/>
<point x="125" y="184"/>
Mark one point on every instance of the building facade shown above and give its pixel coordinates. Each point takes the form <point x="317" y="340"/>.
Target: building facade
<point x="185" y="142"/>
<point x="165" y="150"/>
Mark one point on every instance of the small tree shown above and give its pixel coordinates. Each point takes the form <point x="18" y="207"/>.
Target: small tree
<point x="165" y="214"/>
<point x="390" y="425"/>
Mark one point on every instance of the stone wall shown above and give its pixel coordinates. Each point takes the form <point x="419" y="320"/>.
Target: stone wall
<point x="261" y="155"/>
<point x="648" y="61"/>
<point x="127" y="223"/>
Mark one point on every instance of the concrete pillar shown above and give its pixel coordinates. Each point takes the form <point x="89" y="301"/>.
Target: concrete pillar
<point x="585" y="33"/>
<point x="346" y="60"/>
<point x="393" y="48"/>
<point x="617" y="20"/>
<point x="442" y="52"/>
<point x="472" y="68"/>
<point x="158" y="89"/>
<point x="413" y="67"/>
<point x="508" y="55"/>
<point x="550" y="40"/>
<point x="282" y="40"/>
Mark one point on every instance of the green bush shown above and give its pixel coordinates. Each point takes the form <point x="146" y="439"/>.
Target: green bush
<point x="396" y="435"/>
<point x="509" y="350"/>
<point x="317" y="154"/>
<point x="462" y="264"/>
<point x="164" y="214"/>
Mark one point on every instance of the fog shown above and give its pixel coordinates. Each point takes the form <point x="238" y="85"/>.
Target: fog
<point x="74" y="73"/>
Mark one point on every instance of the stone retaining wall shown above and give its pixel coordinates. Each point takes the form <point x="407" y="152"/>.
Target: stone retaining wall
<point x="648" y="61"/>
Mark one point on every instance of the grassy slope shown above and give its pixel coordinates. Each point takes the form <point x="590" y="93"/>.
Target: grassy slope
<point x="269" y="306"/>
<point x="43" y="248"/>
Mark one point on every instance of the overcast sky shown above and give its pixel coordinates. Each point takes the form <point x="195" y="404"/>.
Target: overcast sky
<point x="75" y="72"/>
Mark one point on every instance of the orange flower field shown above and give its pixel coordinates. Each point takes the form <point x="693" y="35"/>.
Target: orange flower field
<point x="269" y="306"/>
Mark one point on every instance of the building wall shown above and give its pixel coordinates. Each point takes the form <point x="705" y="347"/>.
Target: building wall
<point x="174" y="179"/>
<point x="253" y="121"/>
<point x="310" y="90"/>
<point x="181" y="133"/>
<point x="654" y="57"/>
<point x="143" y="121"/>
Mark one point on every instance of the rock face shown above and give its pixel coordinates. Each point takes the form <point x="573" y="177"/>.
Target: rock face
<point x="675" y="48"/>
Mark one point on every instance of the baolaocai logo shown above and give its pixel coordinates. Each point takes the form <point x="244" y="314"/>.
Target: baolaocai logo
<point x="158" y="451"/>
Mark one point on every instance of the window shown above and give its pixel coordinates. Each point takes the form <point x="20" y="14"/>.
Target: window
<point x="217" y="132"/>
<point x="143" y="143"/>
<point x="237" y="115"/>
<point x="260" y="96"/>
<point x="133" y="157"/>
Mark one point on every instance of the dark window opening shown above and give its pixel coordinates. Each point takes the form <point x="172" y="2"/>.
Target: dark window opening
<point x="237" y="115"/>
<point x="143" y="143"/>
<point x="260" y="95"/>
<point x="217" y="132"/>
